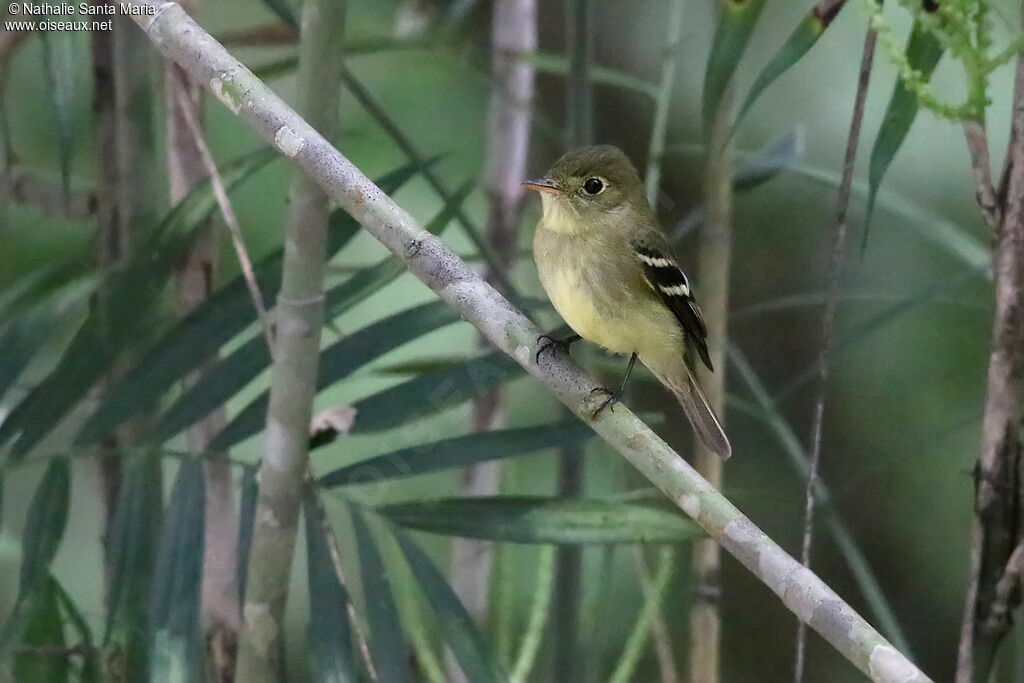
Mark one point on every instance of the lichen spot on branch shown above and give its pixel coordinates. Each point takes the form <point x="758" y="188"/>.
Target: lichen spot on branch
<point x="223" y="87"/>
<point x="288" y="141"/>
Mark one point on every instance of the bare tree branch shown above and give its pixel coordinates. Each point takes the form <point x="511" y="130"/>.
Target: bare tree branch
<point x="828" y="316"/>
<point x="427" y="257"/>
<point x="996" y="530"/>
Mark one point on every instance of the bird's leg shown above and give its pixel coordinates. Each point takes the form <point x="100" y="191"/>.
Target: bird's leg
<point x="613" y="397"/>
<point x="547" y="342"/>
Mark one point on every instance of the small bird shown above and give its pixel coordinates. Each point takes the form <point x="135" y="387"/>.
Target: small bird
<point x="610" y="272"/>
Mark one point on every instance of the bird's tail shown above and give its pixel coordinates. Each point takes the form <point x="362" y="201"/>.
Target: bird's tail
<point x="680" y="380"/>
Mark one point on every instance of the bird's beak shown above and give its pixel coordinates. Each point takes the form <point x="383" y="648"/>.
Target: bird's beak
<point x="545" y="185"/>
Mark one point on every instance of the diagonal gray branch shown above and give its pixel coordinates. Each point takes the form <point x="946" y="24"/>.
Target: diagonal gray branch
<point x="427" y="257"/>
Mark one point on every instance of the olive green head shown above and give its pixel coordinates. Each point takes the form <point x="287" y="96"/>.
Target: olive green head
<point x="589" y="183"/>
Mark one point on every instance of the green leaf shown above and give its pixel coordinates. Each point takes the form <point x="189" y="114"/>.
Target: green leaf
<point x="345" y="357"/>
<point x="123" y="317"/>
<point x="176" y="651"/>
<point x="471" y="649"/>
<point x="59" y="63"/>
<point x="731" y="36"/>
<point x="547" y="62"/>
<point x="431" y="393"/>
<point x="131" y="556"/>
<point x="246" y="519"/>
<point x="90" y="670"/>
<point x="238" y="369"/>
<point x="388" y="648"/>
<point x="282" y="10"/>
<point x="923" y="53"/>
<point x="41" y="538"/>
<point x="796" y="46"/>
<point x="540" y="519"/>
<point x="460" y="451"/>
<point x="777" y="156"/>
<point x="852" y="553"/>
<point x="852" y="338"/>
<point x="41" y="659"/>
<point x="44" y="527"/>
<point x="27" y="332"/>
<point x="330" y="636"/>
<point x="213" y="323"/>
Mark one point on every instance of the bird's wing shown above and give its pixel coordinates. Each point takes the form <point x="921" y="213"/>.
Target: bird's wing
<point x="669" y="282"/>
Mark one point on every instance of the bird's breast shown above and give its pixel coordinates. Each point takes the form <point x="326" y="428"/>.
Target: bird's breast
<point x="576" y="292"/>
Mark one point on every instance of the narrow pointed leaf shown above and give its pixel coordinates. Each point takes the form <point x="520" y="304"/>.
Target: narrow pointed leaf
<point x="735" y="24"/>
<point x="471" y="649"/>
<point x="28" y="331"/>
<point x="540" y="519"/>
<point x="90" y="670"/>
<point x="282" y="10"/>
<point x="923" y="53"/>
<point x="40" y="659"/>
<point x="221" y="317"/>
<point x="792" y="51"/>
<point x="461" y="451"/>
<point x="131" y="556"/>
<point x="123" y="319"/>
<point x="60" y="62"/>
<point x="41" y="538"/>
<point x="547" y="62"/>
<point x="45" y="525"/>
<point x="330" y="635"/>
<point x="431" y="393"/>
<point x="176" y="651"/>
<point x="345" y="357"/>
<point x="389" y="650"/>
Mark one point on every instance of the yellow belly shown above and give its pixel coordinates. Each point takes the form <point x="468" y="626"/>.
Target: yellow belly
<point x="567" y="292"/>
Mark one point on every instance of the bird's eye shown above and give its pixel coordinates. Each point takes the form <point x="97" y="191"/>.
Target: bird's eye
<point x="593" y="186"/>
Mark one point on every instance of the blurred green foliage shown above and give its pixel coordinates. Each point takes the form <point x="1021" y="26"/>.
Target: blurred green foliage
<point x="901" y="430"/>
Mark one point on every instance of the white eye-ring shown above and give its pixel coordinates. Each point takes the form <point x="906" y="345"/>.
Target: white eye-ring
<point x="594" y="186"/>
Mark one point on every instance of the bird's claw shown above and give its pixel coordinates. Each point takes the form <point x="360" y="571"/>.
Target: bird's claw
<point x="611" y="398"/>
<point x="546" y="342"/>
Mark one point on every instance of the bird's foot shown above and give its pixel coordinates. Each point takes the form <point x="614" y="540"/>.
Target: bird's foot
<point x="611" y="398"/>
<point x="548" y="342"/>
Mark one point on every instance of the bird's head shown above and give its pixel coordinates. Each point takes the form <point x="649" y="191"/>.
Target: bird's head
<point x="587" y="188"/>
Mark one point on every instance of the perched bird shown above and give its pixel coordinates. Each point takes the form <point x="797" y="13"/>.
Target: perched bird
<point x="610" y="272"/>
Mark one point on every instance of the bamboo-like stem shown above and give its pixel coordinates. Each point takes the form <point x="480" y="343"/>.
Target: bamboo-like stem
<point x="513" y="30"/>
<point x="835" y="267"/>
<point x="429" y="260"/>
<point x="125" y="204"/>
<point x="299" y="318"/>
<point x="995" y="533"/>
<point x="714" y="253"/>
<point x="194" y="282"/>
<point x="645" y="621"/>
<point x="659" y="127"/>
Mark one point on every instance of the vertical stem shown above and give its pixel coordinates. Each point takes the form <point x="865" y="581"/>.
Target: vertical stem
<point x="828" y="315"/>
<point x="714" y="253"/>
<point x="659" y="127"/>
<point x="109" y="244"/>
<point x="513" y="32"/>
<point x="579" y="131"/>
<point x="194" y="281"/>
<point x="293" y="376"/>
<point x="997" y="474"/>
